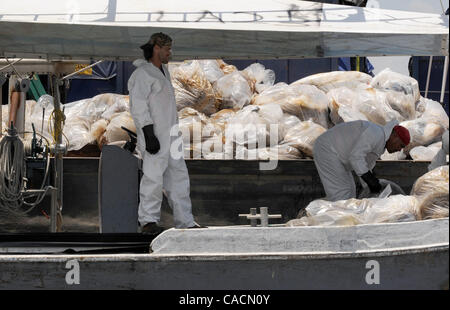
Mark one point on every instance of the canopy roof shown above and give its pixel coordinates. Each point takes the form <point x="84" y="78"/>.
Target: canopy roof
<point x="263" y="29"/>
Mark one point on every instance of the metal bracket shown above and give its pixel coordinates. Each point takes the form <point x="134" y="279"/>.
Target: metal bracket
<point x="263" y="216"/>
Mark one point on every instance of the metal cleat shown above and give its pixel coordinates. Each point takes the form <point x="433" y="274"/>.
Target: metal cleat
<point x="263" y="216"/>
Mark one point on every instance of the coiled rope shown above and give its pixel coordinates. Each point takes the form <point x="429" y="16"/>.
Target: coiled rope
<point x="12" y="179"/>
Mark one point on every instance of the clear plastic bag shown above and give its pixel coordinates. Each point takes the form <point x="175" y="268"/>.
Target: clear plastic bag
<point x="194" y="127"/>
<point x="77" y="130"/>
<point x="304" y="101"/>
<point x="393" y="81"/>
<point x="287" y="122"/>
<point x="97" y="131"/>
<point x="426" y="153"/>
<point x="326" y="213"/>
<point x="398" y="208"/>
<point x="77" y="125"/>
<point x="261" y="77"/>
<point x="234" y="91"/>
<point x="434" y="205"/>
<point x="223" y="115"/>
<point x="423" y="132"/>
<point x="303" y="135"/>
<point x="121" y="104"/>
<point x="211" y="69"/>
<point x="330" y="80"/>
<point x="434" y="180"/>
<point x="226" y="68"/>
<point x="402" y="103"/>
<point x="360" y="104"/>
<point x="432" y="111"/>
<point x="433" y="193"/>
<point x="192" y="88"/>
<point x="247" y="128"/>
<point x="114" y="132"/>
<point x="212" y="148"/>
<point x="36" y="117"/>
<point x="255" y="126"/>
<point x="393" y="156"/>
<point x="277" y="152"/>
<point x="89" y="109"/>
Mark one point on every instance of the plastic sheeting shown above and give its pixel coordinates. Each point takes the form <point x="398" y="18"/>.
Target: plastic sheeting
<point x="397" y="208"/>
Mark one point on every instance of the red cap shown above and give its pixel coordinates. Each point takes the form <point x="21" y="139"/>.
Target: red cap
<point x="403" y="133"/>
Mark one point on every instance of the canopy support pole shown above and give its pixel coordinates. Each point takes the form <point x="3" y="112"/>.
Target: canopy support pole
<point x="444" y="80"/>
<point x="428" y="76"/>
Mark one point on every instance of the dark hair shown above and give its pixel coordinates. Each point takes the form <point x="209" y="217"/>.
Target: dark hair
<point x="160" y="39"/>
<point x="148" y="52"/>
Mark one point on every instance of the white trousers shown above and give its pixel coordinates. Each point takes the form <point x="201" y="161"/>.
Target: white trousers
<point x="171" y="175"/>
<point x="337" y="181"/>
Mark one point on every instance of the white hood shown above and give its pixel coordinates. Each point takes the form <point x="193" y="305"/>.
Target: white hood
<point x="139" y="62"/>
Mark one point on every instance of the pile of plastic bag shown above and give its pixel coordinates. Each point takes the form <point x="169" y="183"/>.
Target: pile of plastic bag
<point x="231" y="109"/>
<point x="94" y="120"/>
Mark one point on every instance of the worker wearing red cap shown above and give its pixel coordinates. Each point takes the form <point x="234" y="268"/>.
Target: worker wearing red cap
<point x="355" y="146"/>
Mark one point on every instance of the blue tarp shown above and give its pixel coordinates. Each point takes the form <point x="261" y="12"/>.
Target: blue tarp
<point x="103" y="71"/>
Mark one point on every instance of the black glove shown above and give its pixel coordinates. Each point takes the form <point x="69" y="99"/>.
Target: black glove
<point x="372" y="182"/>
<point x="151" y="142"/>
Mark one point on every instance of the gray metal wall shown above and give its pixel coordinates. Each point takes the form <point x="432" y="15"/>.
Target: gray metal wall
<point x="220" y="190"/>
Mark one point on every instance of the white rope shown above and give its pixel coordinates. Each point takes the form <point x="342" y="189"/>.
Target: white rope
<point x="11" y="178"/>
<point x="12" y="175"/>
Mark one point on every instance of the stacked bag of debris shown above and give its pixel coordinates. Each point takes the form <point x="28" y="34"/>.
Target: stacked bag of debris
<point x="226" y="113"/>
<point x="92" y="121"/>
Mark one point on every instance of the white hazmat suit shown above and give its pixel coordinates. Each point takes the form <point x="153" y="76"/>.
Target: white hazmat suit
<point x="352" y="146"/>
<point x="152" y="101"/>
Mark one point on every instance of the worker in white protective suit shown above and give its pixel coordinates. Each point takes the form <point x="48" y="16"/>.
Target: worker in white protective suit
<point x="441" y="157"/>
<point x="154" y="111"/>
<point x="354" y="146"/>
